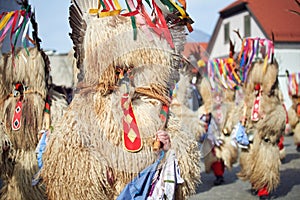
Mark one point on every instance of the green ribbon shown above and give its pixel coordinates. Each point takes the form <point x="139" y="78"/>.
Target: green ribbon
<point x="133" y="23"/>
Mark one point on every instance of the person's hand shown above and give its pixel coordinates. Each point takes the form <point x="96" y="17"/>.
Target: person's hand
<point x="164" y="138"/>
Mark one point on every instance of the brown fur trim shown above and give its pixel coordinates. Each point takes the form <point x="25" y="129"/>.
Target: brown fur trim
<point x="265" y="162"/>
<point x="101" y="146"/>
<point x="245" y="162"/>
<point x="296" y="135"/>
<point x="209" y="159"/>
<point x="272" y="126"/>
<point x="227" y="151"/>
<point x="6" y="152"/>
<point x="31" y="121"/>
<point x="17" y="183"/>
<point x="293" y="118"/>
<point x="155" y="91"/>
<point x="205" y="91"/>
<point x="282" y="154"/>
<point x="30" y="70"/>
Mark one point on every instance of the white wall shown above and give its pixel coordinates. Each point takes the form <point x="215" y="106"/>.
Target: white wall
<point x="62" y="68"/>
<point x="236" y="22"/>
<point x="288" y="59"/>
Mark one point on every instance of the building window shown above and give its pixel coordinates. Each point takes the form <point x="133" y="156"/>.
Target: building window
<point x="247" y="26"/>
<point x="226" y="33"/>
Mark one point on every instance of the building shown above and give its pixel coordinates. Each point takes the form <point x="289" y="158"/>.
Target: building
<point x="195" y="46"/>
<point x="261" y="18"/>
<point x="195" y="51"/>
<point x="62" y="68"/>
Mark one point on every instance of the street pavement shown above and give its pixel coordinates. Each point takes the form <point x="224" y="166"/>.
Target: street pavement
<point x="235" y="189"/>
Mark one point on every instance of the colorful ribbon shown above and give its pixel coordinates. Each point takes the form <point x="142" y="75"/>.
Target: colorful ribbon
<point x="140" y="16"/>
<point x="255" y="46"/>
<point x="8" y="21"/>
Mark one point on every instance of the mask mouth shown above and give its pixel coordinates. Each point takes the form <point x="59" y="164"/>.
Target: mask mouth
<point x="19" y="89"/>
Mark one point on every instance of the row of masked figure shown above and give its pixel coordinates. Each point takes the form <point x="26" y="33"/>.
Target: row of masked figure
<point x="139" y="123"/>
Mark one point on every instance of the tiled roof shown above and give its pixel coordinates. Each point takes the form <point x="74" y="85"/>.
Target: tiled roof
<point x="273" y="16"/>
<point x="191" y="48"/>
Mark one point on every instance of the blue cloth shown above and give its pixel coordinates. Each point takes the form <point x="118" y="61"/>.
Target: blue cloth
<point x="41" y="150"/>
<point x="138" y="189"/>
<point x="241" y="136"/>
<point x="203" y="137"/>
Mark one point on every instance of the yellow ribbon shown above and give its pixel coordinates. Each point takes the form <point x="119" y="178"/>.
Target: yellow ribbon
<point x="5" y="19"/>
<point x="109" y="13"/>
<point x="182" y="11"/>
<point x="117" y="5"/>
<point x="223" y="67"/>
<point x="230" y="62"/>
<point x="96" y="11"/>
<point x="265" y="64"/>
<point x="93" y="11"/>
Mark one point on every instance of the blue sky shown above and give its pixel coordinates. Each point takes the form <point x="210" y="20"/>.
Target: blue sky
<point x="52" y="17"/>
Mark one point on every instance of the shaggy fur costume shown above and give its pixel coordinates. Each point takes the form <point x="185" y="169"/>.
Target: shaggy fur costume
<point x="30" y="70"/>
<point x="226" y="151"/>
<point x="190" y="119"/>
<point x="6" y="152"/>
<point x="294" y="120"/>
<point x="260" y="162"/>
<point x="85" y="157"/>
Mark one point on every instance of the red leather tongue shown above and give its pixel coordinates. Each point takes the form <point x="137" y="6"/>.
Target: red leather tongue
<point x="16" y="121"/>
<point x="255" y="109"/>
<point x="131" y="135"/>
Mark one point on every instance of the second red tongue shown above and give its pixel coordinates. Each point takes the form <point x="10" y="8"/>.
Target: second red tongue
<point x="256" y="105"/>
<point x="16" y="121"/>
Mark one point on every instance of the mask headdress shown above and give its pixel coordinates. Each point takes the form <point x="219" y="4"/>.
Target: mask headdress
<point x="254" y="50"/>
<point x="86" y="18"/>
<point x="15" y="25"/>
<point x="223" y="72"/>
<point x="129" y="51"/>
